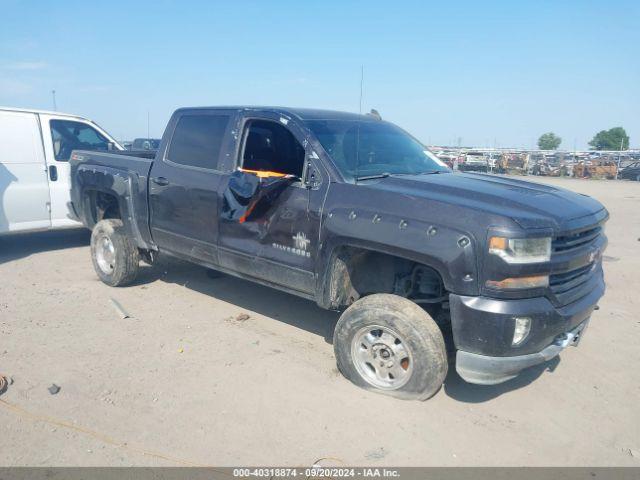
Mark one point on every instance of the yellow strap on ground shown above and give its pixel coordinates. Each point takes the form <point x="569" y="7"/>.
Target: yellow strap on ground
<point x="104" y="438"/>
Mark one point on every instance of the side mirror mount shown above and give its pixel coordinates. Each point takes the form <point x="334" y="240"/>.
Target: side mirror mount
<point x="311" y="177"/>
<point x="307" y="175"/>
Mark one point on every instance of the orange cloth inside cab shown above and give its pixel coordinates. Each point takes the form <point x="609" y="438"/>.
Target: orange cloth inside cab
<point x="264" y="173"/>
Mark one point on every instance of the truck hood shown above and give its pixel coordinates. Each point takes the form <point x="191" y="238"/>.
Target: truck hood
<point x="530" y="205"/>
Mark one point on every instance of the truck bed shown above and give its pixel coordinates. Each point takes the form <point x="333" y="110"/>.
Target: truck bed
<point x="118" y="158"/>
<point x="124" y="175"/>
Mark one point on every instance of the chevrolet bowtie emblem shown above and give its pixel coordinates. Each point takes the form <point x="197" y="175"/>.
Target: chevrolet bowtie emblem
<point x="301" y="241"/>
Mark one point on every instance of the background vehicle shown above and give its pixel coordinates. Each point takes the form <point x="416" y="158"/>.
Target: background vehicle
<point x="631" y="172"/>
<point x="474" y="162"/>
<point x="145" y="144"/>
<point x="35" y="147"/>
<point x="354" y="213"/>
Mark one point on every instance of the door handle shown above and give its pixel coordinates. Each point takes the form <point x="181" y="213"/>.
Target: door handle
<point x="53" y="173"/>
<point x="163" y="182"/>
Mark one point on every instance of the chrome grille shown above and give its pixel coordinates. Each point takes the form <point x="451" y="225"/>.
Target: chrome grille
<point x="560" y="283"/>
<point x="565" y="243"/>
<point x="568" y="286"/>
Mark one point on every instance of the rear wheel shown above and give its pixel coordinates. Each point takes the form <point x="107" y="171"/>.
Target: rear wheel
<point x="115" y="258"/>
<point x="388" y="344"/>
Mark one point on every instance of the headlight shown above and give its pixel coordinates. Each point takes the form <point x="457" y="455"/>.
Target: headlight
<point x="521" y="250"/>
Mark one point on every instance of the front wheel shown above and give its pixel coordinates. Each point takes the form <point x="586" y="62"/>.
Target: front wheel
<point x="115" y="257"/>
<point x="388" y="344"/>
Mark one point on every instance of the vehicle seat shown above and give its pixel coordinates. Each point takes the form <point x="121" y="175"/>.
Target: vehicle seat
<point x="258" y="153"/>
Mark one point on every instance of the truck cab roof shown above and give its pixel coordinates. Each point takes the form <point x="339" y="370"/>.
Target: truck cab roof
<point x="298" y="113"/>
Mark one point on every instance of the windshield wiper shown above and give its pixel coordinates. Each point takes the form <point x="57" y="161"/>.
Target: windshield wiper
<point x="372" y="177"/>
<point x="387" y="174"/>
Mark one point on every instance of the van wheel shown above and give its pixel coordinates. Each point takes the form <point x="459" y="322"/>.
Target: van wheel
<point x="388" y="344"/>
<point x="115" y="258"/>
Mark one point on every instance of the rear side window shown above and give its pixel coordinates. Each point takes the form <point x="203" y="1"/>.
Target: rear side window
<point x="68" y="136"/>
<point x="197" y="140"/>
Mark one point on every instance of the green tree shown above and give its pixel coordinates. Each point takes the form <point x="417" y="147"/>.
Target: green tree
<point x="611" y="139"/>
<point x="549" y="141"/>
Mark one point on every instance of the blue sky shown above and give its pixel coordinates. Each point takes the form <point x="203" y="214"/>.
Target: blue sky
<point x="479" y="71"/>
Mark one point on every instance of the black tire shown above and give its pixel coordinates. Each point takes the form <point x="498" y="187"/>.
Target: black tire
<point x="125" y="258"/>
<point x="418" y="333"/>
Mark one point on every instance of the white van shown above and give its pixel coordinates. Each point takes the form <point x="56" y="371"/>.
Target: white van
<point x="34" y="171"/>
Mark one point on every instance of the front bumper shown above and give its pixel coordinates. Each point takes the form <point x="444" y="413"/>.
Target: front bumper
<point x="485" y="370"/>
<point x="483" y="332"/>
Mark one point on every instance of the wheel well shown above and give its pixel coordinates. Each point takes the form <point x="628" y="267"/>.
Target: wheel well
<point x="101" y="205"/>
<point x="357" y="272"/>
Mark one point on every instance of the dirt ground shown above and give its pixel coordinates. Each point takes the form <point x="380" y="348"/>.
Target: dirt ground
<point x="187" y="381"/>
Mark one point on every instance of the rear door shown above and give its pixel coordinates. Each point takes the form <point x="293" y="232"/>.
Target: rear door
<point x="184" y="182"/>
<point x="24" y="190"/>
<point x="62" y="135"/>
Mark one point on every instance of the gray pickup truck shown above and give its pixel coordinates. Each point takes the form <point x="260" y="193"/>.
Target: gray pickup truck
<point x="427" y="266"/>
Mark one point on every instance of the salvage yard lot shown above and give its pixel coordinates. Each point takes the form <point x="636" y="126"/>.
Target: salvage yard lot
<point x="220" y="371"/>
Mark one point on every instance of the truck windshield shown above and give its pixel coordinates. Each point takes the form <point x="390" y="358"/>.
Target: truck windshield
<point x="365" y="149"/>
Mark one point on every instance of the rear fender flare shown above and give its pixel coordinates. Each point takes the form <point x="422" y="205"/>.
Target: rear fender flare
<point x="119" y="184"/>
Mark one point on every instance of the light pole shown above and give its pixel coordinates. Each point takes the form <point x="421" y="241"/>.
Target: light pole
<point x="361" y="85"/>
<point x="619" y="155"/>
